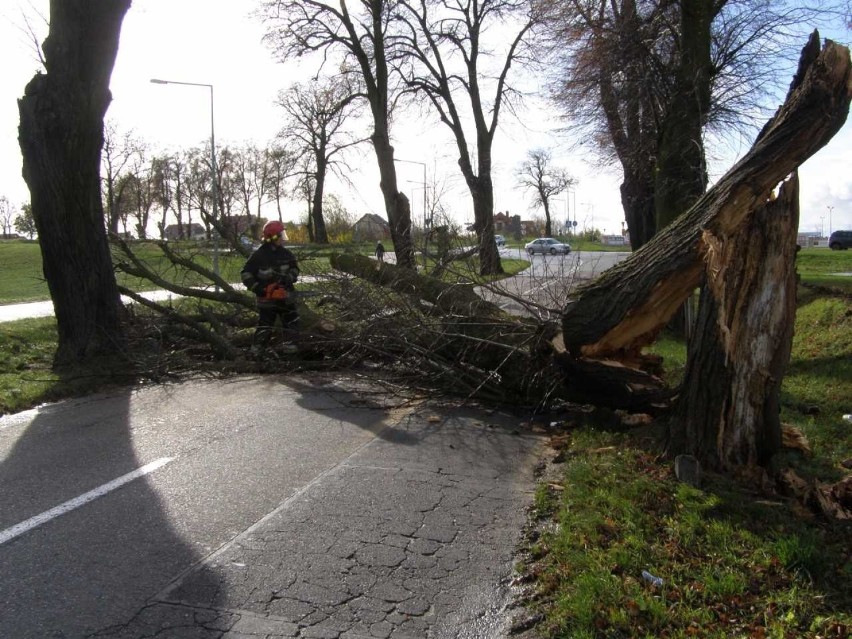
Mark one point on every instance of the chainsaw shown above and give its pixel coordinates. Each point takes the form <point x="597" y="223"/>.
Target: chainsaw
<point x="275" y="291"/>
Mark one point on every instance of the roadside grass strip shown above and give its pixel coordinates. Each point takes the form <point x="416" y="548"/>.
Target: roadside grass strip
<point x="631" y="552"/>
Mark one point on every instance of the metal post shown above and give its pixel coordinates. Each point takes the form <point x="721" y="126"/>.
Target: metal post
<point x="425" y="219"/>
<point x="214" y="173"/>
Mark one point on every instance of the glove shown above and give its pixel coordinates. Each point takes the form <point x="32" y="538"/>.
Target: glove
<point x="286" y="279"/>
<point x="257" y="289"/>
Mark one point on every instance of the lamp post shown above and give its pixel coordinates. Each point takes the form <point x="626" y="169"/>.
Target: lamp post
<point x="830" y="209"/>
<point x="423" y="164"/>
<point x="426" y="221"/>
<point x="214" y="189"/>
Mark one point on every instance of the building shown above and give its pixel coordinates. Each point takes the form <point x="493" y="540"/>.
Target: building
<point x="507" y="224"/>
<point x="614" y="240"/>
<point x="811" y="239"/>
<point x="192" y="231"/>
<point x="370" y="228"/>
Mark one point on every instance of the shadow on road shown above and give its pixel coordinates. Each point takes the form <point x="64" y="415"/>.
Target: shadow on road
<point x="95" y="565"/>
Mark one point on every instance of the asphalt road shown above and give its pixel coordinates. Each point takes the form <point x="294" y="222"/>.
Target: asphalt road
<point x="259" y="507"/>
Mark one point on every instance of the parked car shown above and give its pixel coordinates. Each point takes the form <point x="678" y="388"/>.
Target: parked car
<point x="500" y="240"/>
<point x="547" y="245"/>
<point x="840" y="240"/>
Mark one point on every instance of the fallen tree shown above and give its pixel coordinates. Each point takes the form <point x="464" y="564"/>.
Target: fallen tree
<point x="427" y="331"/>
<point x="626" y="307"/>
<point x="739" y="241"/>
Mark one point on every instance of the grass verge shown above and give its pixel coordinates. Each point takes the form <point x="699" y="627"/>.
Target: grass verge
<point x="733" y="562"/>
<point x="26" y="355"/>
<point x="634" y="553"/>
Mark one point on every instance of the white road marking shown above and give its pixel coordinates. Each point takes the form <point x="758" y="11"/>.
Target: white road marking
<point x="85" y="498"/>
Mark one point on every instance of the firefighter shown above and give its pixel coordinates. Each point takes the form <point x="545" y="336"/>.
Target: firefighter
<point x="270" y="273"/>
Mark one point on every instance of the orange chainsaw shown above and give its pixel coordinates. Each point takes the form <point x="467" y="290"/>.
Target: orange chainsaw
<point x="275" y="291"/>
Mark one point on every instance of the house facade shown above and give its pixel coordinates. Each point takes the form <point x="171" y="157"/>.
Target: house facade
<point x="370" y="227"/>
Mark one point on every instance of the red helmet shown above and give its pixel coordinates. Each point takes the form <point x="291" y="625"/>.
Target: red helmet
<point x="273" y="230"/>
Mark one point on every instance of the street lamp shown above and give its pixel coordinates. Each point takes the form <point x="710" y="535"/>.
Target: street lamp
<point x="214" y="190"/>
<point x="830" y="209"/>
<point x="423" y="164"/>
<point x="426" y="221"/>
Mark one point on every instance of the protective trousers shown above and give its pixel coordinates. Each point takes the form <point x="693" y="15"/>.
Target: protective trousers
<point x="267" y="314"/>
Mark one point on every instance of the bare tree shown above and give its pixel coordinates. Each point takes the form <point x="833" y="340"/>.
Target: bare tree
<point x="645" y="80"/>
<point x="252" y="177"/>
<point x="316" y="130"/>
<point x="280" y="164"/>
<point x="739" y="238"/>
<point x="432" y="36"/>
<point x="300" y="27"/>
<point x="61" y="134"/>
<point x="139" y="195"/>
<point x="536" y="174"/>
<point x="7" y="215"/>
<point x="120" y="150"/>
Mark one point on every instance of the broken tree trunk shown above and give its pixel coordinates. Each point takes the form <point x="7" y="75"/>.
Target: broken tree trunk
<point x="727" y="414"/>
<point x="740" y="240"/>
<point x="625" y="308"/>
<point x="450" y="298"/>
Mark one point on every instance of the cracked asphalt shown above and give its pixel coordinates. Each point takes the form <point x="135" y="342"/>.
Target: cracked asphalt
<point x="410" y="532"/>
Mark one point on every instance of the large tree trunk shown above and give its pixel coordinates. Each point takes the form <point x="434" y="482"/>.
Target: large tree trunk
<point x="727" y="413"/>
<point x="483" y="214"/>
<point x="625" y="308"/>
<point x="482" y="193"/>
<point x="637" y="200"/>
<point x="397" y="206"/>
<point x="61" y="135"/>
<point x="681" y="175"/>
<point x="320" y="234"/>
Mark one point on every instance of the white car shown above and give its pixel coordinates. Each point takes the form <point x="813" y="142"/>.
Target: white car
<point x="500" y="240"/>
<point x="547" y="245"/>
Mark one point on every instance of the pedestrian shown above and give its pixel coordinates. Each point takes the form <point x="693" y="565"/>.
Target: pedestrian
<point x="380" y="251"/>
<point x="270" y="274"/>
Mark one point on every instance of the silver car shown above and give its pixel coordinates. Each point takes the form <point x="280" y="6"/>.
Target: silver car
<point x="547" y="245"/>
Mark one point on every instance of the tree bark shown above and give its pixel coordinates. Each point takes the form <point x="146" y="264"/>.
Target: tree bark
<point x="397" y="206"/>
<point x="625" y="308"/>
<point x="637" y="200"/>
<point x="483" y="214"/>
<point x="320" y="233"/>
<point x="61" y="134"/>
<point x="681" y="174"/>
<point x="727" y="413"/>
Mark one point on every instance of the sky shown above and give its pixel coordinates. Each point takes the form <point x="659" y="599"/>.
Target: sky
<point x="220" y="44"/>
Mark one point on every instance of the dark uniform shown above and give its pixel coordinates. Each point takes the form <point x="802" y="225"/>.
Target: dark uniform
<point x="270" y="273"/>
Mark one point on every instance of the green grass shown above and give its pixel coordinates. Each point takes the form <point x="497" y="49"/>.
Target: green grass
<point x="734" y="563"/>
<point x="21" y="276"/>
<point x="731" y="564"/>
<point x="26" y="355"/>
<point x="823" y="267"/>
